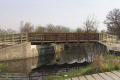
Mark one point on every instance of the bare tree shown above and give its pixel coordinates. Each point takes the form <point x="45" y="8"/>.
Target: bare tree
<point x="27" y="27"/>
<point x="40" y="29"/>
<point x="113" y="22"/>
<point x="10" y="31"/>
<point x="3" y="31"/>
<point x="50" y="28"/>
<point x="90" y="25"/>
<point x="58" y="28"/>
<point x="103" y="31"/>
<point x="79" y="30"/>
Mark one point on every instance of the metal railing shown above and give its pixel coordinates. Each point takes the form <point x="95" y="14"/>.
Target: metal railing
<point x="29" y="37"/>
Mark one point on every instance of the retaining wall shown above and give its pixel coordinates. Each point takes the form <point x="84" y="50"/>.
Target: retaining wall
<point x="18" y="51"/>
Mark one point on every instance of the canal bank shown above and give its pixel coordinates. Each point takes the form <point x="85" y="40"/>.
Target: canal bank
<point x="102" y="63"/>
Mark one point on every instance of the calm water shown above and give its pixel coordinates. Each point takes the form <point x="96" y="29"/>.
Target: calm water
<point x="45" y="65"/>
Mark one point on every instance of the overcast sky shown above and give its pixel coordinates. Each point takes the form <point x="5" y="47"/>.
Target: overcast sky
<point x="71" y="13"/>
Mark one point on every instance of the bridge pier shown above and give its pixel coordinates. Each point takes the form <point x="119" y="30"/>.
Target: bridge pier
<point x="59" y="51"/>
<point x="64" y="52"/>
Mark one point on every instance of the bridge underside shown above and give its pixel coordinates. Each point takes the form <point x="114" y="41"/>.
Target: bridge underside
<point x="68" y="41"/>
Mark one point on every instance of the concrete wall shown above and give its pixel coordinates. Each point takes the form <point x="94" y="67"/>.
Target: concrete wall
<point x="60" y="51"/>
<point x="77" y="52"/>
<point x="18" y="51"/>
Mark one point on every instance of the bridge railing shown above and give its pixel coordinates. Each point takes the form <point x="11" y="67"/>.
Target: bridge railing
<point x="71" y="36"/>
<point x="107" y="37"/>
<point x="23" y="37"/>
<point x="13" y="38"/>
<point x="62" y="36"/>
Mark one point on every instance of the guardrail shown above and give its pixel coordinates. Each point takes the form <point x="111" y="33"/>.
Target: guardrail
<point x="107" y="37"/>
<point x="13" y="38"/>
<point x="62" y="36"/>
<point x="23" y="37"/>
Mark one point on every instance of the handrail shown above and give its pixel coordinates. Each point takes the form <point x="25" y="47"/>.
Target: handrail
<point x="25" y="37"/>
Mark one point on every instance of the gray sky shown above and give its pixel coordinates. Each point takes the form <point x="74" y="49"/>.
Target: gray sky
<point x="70" y="13"/>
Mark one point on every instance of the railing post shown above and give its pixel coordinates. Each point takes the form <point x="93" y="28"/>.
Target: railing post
<point x="27" y="36"/>
<point x="13" y="38"/>
<point x="21" y="37"/>
<point x="4" y="39"/>
<point x="66" y="36"/>
<point x="102" y="36"/>
<point x="99" y="36"/>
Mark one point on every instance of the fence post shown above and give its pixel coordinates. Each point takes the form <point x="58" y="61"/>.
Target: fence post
<point x="5" y="38"/>
<point x="13" y="38"/>
<point x="27" y="36"/>
<point x="21" y="37"/>
<point x="66" y="36"/>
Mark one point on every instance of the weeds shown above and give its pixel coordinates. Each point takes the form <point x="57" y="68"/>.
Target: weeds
<point x="101" y="63"/>
<point x="106" y="62"/>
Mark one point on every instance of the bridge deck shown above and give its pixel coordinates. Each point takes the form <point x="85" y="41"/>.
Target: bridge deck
<point x="115" y="75"/>
<point x="55" y="37"/>
<point x="68" y="41"/>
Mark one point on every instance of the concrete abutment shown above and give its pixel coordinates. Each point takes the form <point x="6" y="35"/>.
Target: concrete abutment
<point x="26" y="50"/>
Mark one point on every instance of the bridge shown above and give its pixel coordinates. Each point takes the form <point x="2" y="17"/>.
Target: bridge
<point x="55" y="38"/>
<point x="21" y="46"/>
<point x="25" y="45"/>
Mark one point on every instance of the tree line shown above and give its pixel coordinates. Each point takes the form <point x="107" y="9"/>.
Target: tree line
<point x="112" y="22"/>
<point x="88" y="26"/>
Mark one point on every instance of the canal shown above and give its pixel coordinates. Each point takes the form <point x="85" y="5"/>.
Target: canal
<point x="71" y="59"/>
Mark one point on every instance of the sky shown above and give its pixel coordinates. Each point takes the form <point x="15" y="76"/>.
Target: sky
<point x="70" y="13"/>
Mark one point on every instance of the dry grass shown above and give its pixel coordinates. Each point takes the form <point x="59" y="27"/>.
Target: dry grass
<point x="107" y="62"/>
<point x="98" y="63"/>
<point x="117" y="63"/>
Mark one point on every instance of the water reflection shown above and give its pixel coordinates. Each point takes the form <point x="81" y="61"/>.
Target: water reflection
<point x="72" y="54"/>
<point x="46" y="65"/>
<point x="55" y="70"/>
<point x="19" y="66"/>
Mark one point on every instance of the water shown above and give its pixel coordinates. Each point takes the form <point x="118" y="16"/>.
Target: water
<point x="46" y="64"/>
<point x="28" y="69"/>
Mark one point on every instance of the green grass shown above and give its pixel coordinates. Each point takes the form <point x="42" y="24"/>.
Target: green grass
<point x="1" y="65"/>
<point x="101" y="63"/>
<point x="72" y="74"/>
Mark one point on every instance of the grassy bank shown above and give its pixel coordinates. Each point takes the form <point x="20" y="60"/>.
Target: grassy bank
<point x="1" y="65"/>
<point x="106" y="63"/>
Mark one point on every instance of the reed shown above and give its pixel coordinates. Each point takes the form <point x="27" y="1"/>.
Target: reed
<point x="101" y="63"/>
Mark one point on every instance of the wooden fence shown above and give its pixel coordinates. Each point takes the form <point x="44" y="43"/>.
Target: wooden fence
<point x="13" y="38"/>
<point x="62" y="36"/>
<point x="23" y="37"/>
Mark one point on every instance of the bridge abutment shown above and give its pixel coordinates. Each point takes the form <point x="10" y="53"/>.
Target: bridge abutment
<point x="18" y="51"/>
<point x="57" y="51"/>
